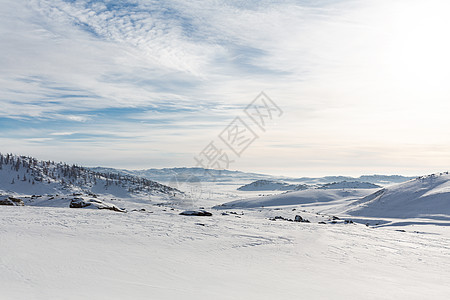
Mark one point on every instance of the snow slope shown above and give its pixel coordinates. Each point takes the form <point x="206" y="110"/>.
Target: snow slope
<point x="423" y="197"/>
<point x="309" y="196"/>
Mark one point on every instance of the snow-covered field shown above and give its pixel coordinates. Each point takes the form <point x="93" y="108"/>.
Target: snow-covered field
<point x="63" y="253"/>
<point x="124" y="237"/>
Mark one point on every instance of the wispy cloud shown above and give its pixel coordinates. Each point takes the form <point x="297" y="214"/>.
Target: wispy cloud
<point x="140" y="78"/>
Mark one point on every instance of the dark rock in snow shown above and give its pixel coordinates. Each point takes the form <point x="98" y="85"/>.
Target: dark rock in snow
<point x="278" y="218"/>
<point x="298" y="218"/>
<point x="78" y="203"/>
<point x="196" y="213"/>
<point x="11" y="201"/>
<point x="16" y="201"/>
<point x="94" y="203"/>
<point x="140" y="210"/>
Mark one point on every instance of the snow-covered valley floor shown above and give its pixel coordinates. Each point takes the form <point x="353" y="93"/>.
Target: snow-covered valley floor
<point x="63" y="253"/>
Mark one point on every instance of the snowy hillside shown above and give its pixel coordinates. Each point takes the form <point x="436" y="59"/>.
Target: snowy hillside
<point x="270" y="185"/>
<point x="20" y="175"/>
<point x="423" y="197"/>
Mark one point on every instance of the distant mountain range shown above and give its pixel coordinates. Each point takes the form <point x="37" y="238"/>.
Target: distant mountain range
<point x="193" y="174"/>
<point x="375" y="179"/>
<point x="270" y="185"/>
<point x="168" y="175"/>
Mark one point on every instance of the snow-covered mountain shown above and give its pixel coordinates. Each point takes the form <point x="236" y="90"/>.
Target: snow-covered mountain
<point x="423" y="197"/>
<point x="349" y="185"/>
<point x="172" y="176"/>
<point x="21" y="175"/>
<point x="309" y="196"/>
<point x="271" y="185"/>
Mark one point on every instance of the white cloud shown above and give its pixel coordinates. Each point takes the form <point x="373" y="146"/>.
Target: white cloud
<point x="62" y="133"/>
<point x="345" y="72"/>
<point x="77" y="118"/>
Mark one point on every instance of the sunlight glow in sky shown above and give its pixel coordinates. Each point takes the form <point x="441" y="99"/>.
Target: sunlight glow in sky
<point x="148" y="84"/>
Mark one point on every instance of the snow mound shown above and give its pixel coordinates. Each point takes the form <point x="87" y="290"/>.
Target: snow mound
<point x="270" y="185"/>
<point x="93" y="203"/>
<point x="423" y="197"/>
<point x="299" y="197"/>
<point x="350" y="185"/>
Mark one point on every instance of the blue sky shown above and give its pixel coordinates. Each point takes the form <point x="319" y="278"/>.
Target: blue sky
<point x="141" y="84"/>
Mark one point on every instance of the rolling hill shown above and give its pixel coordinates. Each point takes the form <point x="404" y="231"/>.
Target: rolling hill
<point x="423" y="197"/>
<point x="309" y="196"/>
